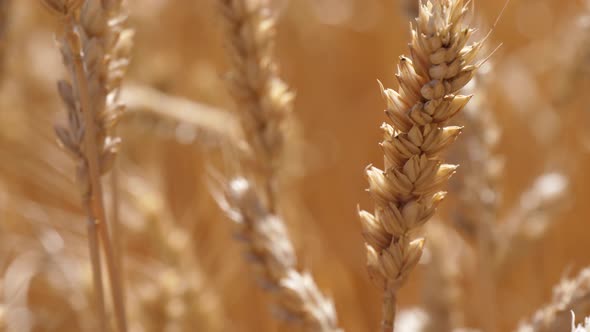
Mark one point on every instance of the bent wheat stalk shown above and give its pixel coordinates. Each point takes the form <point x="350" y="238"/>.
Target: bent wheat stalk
<point x="270" y="250"/>
<point x="407" y="192"/>
<point x="216" y="123"/>
<point x="95" y="50"/>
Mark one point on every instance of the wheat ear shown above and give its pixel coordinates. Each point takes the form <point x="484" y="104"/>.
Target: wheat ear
<point x="270" y="250"/>
<point x="264" y="99"/>
<point x="252" y="199"/>
<point x="95" y="50"/>
<point x="571" y="295"/>
<point x="407" y="192"/>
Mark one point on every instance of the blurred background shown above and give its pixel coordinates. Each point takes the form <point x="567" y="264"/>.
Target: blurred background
<point x="184" y="271"/>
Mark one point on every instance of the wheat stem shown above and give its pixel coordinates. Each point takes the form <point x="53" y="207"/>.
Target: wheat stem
<point x="93" y="167"/>
<point x="389" y="309"/>
<point x="117" y="229"/>
<point x="219" y="124"/>
<point x="94" y="249"/>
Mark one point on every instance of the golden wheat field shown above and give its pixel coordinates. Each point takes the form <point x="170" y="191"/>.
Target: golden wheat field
<point x="227" y="165"/>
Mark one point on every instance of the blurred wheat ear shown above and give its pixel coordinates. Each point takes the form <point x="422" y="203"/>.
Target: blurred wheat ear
<point x="407" y="191"/>
<point x="251" y="198"/>
<point x="95" y="47"/>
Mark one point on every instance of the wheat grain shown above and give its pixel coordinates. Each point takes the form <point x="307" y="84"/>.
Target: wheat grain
<point x="407" y="191"/>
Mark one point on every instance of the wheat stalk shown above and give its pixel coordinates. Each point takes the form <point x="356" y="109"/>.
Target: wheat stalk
<point x="220" y="125"/>
<point x="407" y="191"/>
<point x="95" y="50"/>
<point x="571" y="295"/>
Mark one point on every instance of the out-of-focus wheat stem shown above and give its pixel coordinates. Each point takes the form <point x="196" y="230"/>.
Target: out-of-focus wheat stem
<point x="203" y="117"/>
<point x="389" y="310"/>
<point x="117" y="230"/>
<point x="407" y="192"/>
<point x="95" y="197"/>
<point x="95" y="48"/>
<point x="96" y="271"/>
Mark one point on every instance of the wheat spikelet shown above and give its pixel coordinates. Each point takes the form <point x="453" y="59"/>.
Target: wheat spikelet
<point x="407" y="191"/>
<point x="95" y="49"/>
<point x="569" y="296"/>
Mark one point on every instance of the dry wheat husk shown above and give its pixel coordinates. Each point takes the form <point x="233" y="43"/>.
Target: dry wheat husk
<point x="570" y="295"/>
<point x="407" y="191"/>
